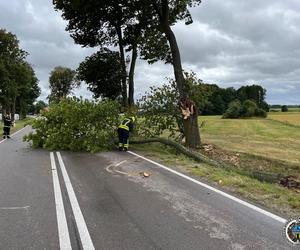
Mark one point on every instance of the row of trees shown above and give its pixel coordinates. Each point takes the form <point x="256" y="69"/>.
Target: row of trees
<point x="18" y="83"/>
<point x="216" y="100"/>
<point x="142" y="28"/>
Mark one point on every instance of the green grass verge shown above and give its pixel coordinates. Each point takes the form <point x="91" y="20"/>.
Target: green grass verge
<point x="272" y="196"/>
<point x="19" y="125"/>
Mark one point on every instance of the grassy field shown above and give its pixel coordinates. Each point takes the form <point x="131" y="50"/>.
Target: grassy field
<point x="261" y="137"/>
<point x="267" y="145"/>
<point x="292" y="118"/>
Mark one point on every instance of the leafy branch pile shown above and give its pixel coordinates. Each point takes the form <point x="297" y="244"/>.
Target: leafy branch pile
<point x="77" y="125"/>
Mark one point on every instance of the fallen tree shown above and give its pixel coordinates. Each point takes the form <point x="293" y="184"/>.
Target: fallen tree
<point x="199" y="157"/>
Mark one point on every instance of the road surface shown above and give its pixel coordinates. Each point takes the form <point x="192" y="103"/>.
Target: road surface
<point x="64" y="200"/>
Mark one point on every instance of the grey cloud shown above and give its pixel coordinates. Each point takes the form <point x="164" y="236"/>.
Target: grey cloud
<point x="230" y="43"/>
<point x="41" y="32"/>
<point x="236" y="42"/>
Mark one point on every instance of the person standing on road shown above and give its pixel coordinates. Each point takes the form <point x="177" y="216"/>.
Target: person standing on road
<point x="124" y="128"/>
<point x="7" y="124"/>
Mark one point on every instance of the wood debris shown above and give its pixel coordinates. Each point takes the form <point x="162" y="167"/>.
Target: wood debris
<point x="290" y="182"/>
<point x="145" y="174"/>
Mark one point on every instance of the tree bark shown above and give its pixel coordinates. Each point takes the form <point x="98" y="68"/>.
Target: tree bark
<point x="13" y="109"/>
<point x="122" y="57"/>
<point x="131" y="76"/>
<point x="191" y="128"/>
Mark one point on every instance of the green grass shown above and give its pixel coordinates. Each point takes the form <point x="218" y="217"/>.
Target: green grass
<point x="261" y="137"/>
<point x="271" y="146"/>
<point x="272" y="196"/>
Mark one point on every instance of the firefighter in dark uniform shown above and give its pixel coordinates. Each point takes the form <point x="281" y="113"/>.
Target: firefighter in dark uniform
<point x="7" y="125"/>
<point x="125" y="127"/>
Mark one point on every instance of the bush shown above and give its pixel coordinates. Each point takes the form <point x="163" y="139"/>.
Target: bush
<point x="249" y="108"/>
<point x="77" y="125"/>
<point x="261" y="113"/>
<point x="284" y="108"/>
<point x="234" y="110"/>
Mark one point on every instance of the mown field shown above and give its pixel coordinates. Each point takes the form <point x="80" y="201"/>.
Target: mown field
<point x="263" y="137"/>
<point x="292" y="118"/>
<point x="265" y="145"/>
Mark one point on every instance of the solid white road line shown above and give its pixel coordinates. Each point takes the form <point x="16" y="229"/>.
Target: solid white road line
<point x="14" y="208"/>
<point x="14" y="134"/>
<point x="273" y="216"/>
<point x="63" y="231"/>
<point x="85" y="237"/>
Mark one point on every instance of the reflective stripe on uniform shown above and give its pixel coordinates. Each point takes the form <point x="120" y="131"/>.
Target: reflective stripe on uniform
<point x="125" y="124"/>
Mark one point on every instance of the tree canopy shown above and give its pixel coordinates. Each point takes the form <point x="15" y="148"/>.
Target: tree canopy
<point x="62" y="81"/>
<point x="144" y="23"/>
<point x="102" y="71"/>
<point x="18" y="83"/>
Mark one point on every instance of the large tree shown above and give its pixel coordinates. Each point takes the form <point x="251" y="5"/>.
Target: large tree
<point x="28" y="89"/>
<point x="99" y="23"/>
<point x="18" y="83"/>
<point x="253" y="92"/>
<point x="62" y="81"/>
<point x="105" y="22"/>
<point x="158" y="16"/>
<point x="102" y="71"/>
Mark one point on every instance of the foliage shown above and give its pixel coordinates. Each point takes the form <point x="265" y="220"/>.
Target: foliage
<point x="28" y="89"/>
<point x="18" y="83"/>
<point x="219" y="98"/>
<point x="253" y="92"/>
<point x="77" y="125"/>
<point x="159" y="111"/>
<point x="247" y="109"/>
<point x="199" y="92"/>
<point x="39" y="106"/>
<point x="234" y="110"/>
<point x="160" y="107"/>
<point x="261" y="113"/>
<point x="98" y="23"/>
<point x="102" y="71"/>
<point x="62" y="81"/>
<point x="284" y="108"/>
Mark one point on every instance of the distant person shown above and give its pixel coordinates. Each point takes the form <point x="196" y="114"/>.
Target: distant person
<point x="126" y="126"/>
<point x="7" y="124"/>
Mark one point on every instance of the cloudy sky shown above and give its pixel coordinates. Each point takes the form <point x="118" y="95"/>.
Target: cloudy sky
<point x="230" y="43"/>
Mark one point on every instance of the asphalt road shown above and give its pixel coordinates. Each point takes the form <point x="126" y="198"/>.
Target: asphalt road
<point x="114" y="207"/>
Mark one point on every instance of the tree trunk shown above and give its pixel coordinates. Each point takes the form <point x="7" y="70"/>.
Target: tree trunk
<point x="13" y="109"/>
<point x="191" y="128"/>
<point x="191" y="131"/>
<point x="131" y="76"/>
<point x="122" y="57"/>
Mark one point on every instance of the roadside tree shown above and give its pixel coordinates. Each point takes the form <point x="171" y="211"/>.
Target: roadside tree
<point x="18" y="83"/>
<point x="102" y="72"/>
<point x="62" y="81"/>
